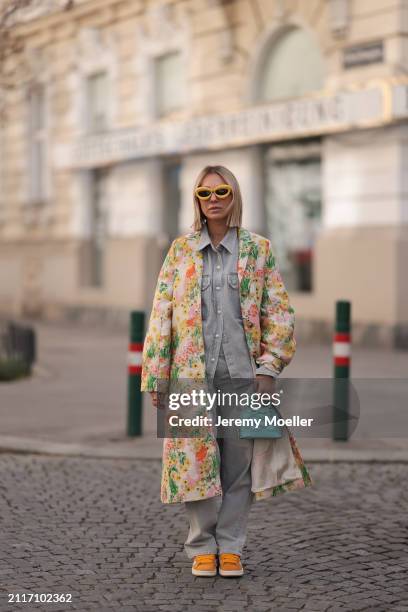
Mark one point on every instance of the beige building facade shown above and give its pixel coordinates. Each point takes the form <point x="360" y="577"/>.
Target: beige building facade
<point x="118" y="105"/>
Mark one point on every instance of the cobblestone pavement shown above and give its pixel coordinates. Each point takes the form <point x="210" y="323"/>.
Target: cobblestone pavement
<point x="97" y="529"/>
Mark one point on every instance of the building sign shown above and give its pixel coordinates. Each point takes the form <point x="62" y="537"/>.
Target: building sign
<point x="311" y="116"/>
<point x="361" y="55"/>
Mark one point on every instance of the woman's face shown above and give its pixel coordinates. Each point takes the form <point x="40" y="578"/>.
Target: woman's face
<point x="215" y="209"/>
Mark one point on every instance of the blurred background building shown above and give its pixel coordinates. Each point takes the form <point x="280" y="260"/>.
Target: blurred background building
<point x="117" y="104"/>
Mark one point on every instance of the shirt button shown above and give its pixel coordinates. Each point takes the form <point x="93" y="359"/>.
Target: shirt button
<point x="212" y="358"/>
<point x="218" y="267"/>
<point x="218" y="288"/>
<point x="219" y="311"/>
<point x="217" y="335"/>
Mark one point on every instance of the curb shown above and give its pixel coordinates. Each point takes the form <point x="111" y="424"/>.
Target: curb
<point x="349" y="455"/>
<point x="150" y="448"/>
<point x="146" y="448"/>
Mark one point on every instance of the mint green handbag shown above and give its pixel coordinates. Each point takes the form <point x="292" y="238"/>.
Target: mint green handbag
<point x="265" y="430"/>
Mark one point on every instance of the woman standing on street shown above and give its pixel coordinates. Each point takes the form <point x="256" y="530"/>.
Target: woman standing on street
<point x="221" y="313"/>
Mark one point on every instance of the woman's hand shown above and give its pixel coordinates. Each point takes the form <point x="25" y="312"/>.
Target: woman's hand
<point x="153" y="395"/>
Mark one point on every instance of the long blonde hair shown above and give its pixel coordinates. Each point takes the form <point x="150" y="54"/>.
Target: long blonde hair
<point x="235" y="218"/>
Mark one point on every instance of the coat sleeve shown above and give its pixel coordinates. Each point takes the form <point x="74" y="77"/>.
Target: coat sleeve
<point x="156" y="347"/>
<point x="277" y="319"/>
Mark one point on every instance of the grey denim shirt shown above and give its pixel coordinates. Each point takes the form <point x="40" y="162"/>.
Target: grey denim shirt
<point x="223" y="327"/>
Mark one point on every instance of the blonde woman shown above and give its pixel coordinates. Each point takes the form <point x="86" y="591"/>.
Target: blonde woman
<point x="220" y="313"/>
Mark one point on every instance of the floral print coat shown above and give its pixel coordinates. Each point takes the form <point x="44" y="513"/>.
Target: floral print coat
<point x="174" y="349"/>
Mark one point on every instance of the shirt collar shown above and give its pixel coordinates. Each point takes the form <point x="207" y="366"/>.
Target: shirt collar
<point x="228" y="242"/>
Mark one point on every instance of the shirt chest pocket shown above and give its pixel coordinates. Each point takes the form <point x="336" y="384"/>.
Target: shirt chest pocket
<point x="232" y="279"/>
<point x="205" y="282"/>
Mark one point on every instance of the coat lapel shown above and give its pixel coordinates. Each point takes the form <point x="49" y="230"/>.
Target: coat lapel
<point x="244" y="249"/>
<point x="196" y="257"/>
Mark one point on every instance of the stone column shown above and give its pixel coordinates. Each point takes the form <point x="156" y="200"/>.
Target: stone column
<point x="363" y="245"/>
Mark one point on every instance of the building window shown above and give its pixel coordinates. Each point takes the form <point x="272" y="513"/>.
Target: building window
<point x="169" y="76"/>
<point x="37" y="143"/>
<point x="292" y="66"/>
<point x="293" y="209"/>
<point x="97" y="98"/>
<point x="98" y="227"/>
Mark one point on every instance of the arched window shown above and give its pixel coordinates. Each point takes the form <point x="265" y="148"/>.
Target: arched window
<point x="292" y="66"/>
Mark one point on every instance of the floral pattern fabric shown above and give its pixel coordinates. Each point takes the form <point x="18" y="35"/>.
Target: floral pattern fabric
<point x="174" y="349"/>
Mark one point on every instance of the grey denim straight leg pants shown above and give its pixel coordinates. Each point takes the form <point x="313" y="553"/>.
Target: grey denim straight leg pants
<point x="218" y="524"/>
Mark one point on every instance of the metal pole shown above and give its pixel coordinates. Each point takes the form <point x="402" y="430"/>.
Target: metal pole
<point x="341" y="362"/>
<point x="134" y="416"/>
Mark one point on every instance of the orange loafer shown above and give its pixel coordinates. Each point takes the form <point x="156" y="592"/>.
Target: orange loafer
<point x="230" y="565"/>
<point x="204" y="565"/>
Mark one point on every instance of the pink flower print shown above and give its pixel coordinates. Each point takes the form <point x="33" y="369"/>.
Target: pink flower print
<point x="192" y="316"/>
<point x="253" y="314"/>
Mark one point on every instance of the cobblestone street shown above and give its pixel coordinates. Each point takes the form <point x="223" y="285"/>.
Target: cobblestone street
<point x="97" y="529"/>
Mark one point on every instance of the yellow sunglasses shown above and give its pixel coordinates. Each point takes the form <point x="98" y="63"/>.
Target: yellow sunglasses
<point x="221" y="191"/>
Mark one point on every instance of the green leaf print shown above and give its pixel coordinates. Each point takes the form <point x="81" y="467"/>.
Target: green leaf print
<point x="215" y="464"/>
<point x="175" y="340"/>
<point x="197" y="332"/>
<point x="165" y="352"/>
<point x="162" y="287"/>
<point x="175" y="372"/>
<point x="151" y="382"/>
<point x="245" y="285"/>
<point x="305" y="474"/>
<point x="151" y="351"/>
<point x="173" y="486"/>
<point x="270" y="261"/>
